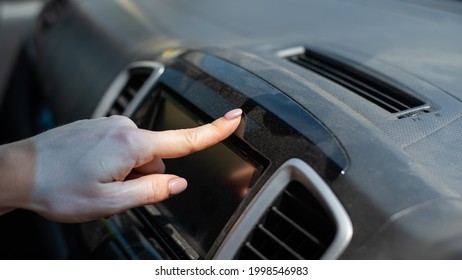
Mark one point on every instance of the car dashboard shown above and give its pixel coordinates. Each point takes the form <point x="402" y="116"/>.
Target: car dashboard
<point x="349" y="146"/>
<point x="242" y="173"/>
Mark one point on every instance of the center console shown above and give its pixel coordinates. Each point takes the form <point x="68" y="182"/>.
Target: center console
<point x="239" y="190"/>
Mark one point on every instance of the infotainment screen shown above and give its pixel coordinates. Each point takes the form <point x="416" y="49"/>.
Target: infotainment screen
<point x="218" y="178"/>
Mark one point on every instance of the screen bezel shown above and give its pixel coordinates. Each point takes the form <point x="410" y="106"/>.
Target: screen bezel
<point x="234" y="143"/>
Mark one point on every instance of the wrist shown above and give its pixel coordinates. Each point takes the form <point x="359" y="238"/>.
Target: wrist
<point x="17" y="174"/>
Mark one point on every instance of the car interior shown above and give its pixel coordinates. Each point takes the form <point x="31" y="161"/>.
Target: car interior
<point x="350" y="146"/>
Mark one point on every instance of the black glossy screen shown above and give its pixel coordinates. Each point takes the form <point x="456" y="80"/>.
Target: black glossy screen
<point x="218" y="180"/>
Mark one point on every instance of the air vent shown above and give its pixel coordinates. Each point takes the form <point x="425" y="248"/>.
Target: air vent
<point x="385" y="95"/>
<point x="137" y="77"/>
<point x="296" y="226"/>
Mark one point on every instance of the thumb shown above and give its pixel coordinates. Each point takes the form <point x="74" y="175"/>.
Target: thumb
<point x="148" y="189"/>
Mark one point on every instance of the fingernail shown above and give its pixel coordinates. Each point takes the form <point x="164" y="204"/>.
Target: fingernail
<point x="231" y="115"/>
<point x="175" y="186"/>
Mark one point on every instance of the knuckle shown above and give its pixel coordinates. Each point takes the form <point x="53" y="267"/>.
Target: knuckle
<point x="126" y="136"/>
<point x="215" y="131"/>
<point x="191" y="138"/>
<point x="121" y="120"/>
<point x="152" y="192"/>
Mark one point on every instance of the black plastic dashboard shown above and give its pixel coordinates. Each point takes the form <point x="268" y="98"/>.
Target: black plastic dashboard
<point x="192" y="88"/>
<point x="350" y="145"/>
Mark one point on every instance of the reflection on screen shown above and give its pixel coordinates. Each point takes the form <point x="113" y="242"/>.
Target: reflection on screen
<point x="218" y="179"/>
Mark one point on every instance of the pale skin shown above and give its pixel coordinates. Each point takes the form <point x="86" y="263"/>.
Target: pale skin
<point x="97" y="168"/>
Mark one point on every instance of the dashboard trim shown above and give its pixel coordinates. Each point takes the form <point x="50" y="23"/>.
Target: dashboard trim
<point x="292" y="170"/>
<point x="119" y="82"/>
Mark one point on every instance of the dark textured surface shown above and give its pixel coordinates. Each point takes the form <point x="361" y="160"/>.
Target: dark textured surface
<point x="397" y="167"/>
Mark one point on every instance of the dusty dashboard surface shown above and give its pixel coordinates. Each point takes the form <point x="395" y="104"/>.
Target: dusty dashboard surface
<point x="234" y="176"/>
<point x="350" y="145"/>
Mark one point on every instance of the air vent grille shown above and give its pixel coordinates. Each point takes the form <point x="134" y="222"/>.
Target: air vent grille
<point x="296" y="226"/>
<point x="385" y="95"/>
<point x="137" y="77"/>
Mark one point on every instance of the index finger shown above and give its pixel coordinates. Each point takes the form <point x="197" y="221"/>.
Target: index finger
<point x="181" y="142"/>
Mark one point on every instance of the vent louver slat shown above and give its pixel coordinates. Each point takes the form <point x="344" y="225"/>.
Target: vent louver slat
<point x="137" y="77"/>
<point x="385" y="95"/>
<point x="296" y="226"/>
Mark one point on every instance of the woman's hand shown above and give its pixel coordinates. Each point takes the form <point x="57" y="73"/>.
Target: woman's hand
<point x="96" y="168"/>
